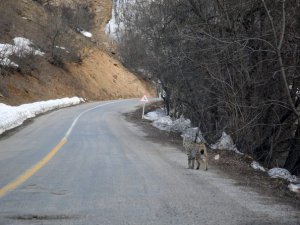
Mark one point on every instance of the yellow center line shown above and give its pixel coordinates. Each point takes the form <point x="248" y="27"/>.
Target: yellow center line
<point x="30" y="172"/>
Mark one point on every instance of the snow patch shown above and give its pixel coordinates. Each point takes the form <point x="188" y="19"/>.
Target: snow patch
<point x="85" y="33"/>
<point x="217" y="157"/>
<point x="21" y="48"/>
<point x="63" y="48"/>
<point x="183" y="126"/>
<point x="163" y="123"/>
<point x="115" y="27"/>
<point x="282" y="173"/>
<point x="255" y="165"/>
<point x="155" y="115"/>
<point x="111" y="27"/>
<point x="13" y="116"/>
<point x="294" y="188"/>
<point x="180" y="125"/>
<point x="6" y="50"/>
<point x="225" y="143"/>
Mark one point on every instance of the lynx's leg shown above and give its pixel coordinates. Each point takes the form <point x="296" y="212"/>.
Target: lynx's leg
<point x="193" y="163"/>
<point x="189" y="162"/>
<point x="198" y="164"/>
<point x="204" y="155"/>
<point x="206" y="163"/>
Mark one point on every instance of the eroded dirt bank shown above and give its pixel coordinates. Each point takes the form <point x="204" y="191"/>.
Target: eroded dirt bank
<point x="99" y="76"/>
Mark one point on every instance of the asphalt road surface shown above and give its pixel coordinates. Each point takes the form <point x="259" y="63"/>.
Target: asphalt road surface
<point x="88" y="166"/>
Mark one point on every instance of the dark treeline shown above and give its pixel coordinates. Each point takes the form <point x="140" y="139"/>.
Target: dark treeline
<point x="229" y="65"/>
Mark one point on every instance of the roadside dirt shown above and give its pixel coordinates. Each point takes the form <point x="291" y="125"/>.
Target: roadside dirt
<point x="230" y="165"/>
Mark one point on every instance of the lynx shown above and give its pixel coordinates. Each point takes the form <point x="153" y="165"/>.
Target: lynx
<point x="196" y="151"/>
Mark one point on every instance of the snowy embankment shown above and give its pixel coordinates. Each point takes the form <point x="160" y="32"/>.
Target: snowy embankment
<point x="183" y="126"/>
<point x="161" y="121"/>
<point x="13" y="116"/>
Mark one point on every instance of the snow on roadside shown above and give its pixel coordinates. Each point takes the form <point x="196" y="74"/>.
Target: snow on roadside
<point x="190" y="134"/>
<point x="180" y="125"/>
<point x="225" y="143"/>
<point x="155" y="115"/>
<point x="13" y="116"/>
<point x="183" y="126"/>
<point x="294" y="188"/>
<point x="255" y="165"/>
<point x="282" y="173"/>
<point x="163" y="123"/>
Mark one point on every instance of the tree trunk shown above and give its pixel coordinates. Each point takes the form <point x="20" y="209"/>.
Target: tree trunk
<point x="292" y="162"/>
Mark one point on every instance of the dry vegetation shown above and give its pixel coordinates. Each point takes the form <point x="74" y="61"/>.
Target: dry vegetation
<point x="73" y="64"/>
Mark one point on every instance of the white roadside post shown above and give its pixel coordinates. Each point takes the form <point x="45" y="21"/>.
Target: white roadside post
<point x="144" y="99"/>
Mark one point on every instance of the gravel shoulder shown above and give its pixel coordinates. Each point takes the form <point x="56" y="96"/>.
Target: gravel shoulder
<point x="230" y="165"/>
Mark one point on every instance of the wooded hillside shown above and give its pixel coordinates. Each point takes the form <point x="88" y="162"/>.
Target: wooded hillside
<point x="228" y="65"/>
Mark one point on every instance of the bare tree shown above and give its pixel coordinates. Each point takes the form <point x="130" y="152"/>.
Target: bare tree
<point x="228" y="65"/>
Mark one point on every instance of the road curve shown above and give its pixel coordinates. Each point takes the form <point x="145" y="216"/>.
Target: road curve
<point x="108" y="172"/>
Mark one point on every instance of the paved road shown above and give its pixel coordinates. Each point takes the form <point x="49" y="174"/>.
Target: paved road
<point x="109" y="173"/>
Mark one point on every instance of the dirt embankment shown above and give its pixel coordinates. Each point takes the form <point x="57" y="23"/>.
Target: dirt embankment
<point x="100" y="76"/>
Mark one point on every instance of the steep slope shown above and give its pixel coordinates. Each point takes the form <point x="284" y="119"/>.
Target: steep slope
<point x="114" y="81"/>
<point x="99" y="76"/>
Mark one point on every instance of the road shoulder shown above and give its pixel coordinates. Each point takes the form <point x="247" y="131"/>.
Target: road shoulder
<point x="230" y="165"/>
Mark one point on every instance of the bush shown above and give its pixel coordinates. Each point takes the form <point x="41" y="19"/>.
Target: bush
<point x="61" y="42"/>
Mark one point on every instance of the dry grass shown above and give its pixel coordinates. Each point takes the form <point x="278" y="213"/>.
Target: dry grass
<point x="106" y="78"/>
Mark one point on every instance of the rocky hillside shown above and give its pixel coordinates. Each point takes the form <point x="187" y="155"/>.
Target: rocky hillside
<point x="72" y="63"/>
